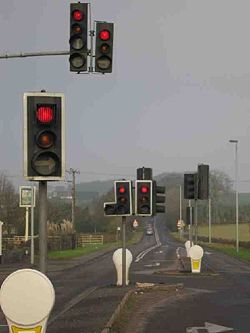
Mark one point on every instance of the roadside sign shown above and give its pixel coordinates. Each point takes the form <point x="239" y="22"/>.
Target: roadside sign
<point x="180" y="224"/>
<point x="25" y="196"/>
<point x="27" y="297"/>
<point x="135" y="224"/>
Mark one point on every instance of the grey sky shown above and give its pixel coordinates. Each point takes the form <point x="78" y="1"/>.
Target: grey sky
<point x="178" y="92"/>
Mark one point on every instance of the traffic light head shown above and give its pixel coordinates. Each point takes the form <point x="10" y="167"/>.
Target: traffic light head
<point x="104" y="47"/>
<point x="190" y="186"/>
<point x="203" y="181"/>
<point x="144" y="197"/>
<point x="78" y="37"/>
<point x="123" y="200"/>
<point x="159" y="198"/>
<point x="123" y="192"/>
<point x="44" y="137"/>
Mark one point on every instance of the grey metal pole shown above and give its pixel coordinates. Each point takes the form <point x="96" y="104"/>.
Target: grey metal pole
<point x="32" y="228"/>
<point x="180" y="204"/>
<point x="237" y="197"/>
<point x="209" y="222"/>
<point x="32" y="54"/>
<point x="73" y="198"/>
<point x="123" y="251"/>
<point x="196" y="219"/>
<point x="43" y="226"/>
<point x="191" y="223"/>
<point x="236" y="194"/>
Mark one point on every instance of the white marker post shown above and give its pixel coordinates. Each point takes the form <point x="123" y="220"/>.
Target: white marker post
<point x="117" y="259"/>
<point x="196" y="253"/>
<point x="27" y="297"/>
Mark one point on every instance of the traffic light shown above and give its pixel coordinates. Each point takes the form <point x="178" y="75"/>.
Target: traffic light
<point x="104" y="47"/>
<point x="123" y="200"/>
<point x="203" y="181"/>
<point x="44" y="136"/>
<point x="158" y="198"/>
<point x="144" y="197"/>
<point x="190" y="186"/>
<point x="78" y="37"/>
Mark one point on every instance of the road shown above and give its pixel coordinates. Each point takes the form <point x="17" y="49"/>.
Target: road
<point x="207" y="302"/>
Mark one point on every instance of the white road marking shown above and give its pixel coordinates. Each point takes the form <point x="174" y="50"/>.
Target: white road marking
<point x="143" y="253"/>
<point x="211" y="328"/>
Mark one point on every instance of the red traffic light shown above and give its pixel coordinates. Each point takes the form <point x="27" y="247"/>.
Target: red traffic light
<point x="104" y="34"/>
<point x="122" y="189"/>
<point x="144" y="189"/>
<point x="77" y="15"/>
<point x="45" y="114"/>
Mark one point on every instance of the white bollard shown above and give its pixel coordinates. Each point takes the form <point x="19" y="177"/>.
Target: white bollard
<point x="117" y="259"/>
<point x="27" y="297"/>
<point x="196" y="254"/>
<point x="187" y="246"/>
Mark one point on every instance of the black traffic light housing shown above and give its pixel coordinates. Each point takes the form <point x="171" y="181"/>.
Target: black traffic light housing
<point x="78" y="37"/>
<point x="44" y="136"/>
<point x="159" y="198"/>
<point x="203" y="181"/>
<point x="144" y="197"/>
<point x="190" y="186"/>
<point x="104" y="47"/>
<point x="123" y="200"/>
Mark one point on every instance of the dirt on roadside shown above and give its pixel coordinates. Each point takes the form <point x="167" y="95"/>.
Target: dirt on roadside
<point x="141" y="305"/>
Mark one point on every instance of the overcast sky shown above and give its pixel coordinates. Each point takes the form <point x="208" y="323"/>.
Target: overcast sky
<point x="180" y="87"/>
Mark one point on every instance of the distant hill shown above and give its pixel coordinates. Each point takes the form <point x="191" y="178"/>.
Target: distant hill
<point x="100" y="187"/>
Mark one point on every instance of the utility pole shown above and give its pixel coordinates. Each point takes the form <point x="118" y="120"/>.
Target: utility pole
<point x="73" y="194"/>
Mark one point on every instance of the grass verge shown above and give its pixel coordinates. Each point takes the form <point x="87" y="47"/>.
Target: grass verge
<point x="89" y="248"/>
<point x="225" y="248"/>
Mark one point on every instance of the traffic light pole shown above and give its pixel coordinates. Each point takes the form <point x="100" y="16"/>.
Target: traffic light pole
<point x="191" y="223"/>
<point x="196" y="219"/>
<point x="43" y="226"/>
<point x="124" y="251"/>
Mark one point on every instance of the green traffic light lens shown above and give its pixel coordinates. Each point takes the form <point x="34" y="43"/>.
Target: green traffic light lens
<point x="45" y="163"/>
<point x="103" y="62"/>
<point x="77" y="43"/>
<point x="77" y="60"/>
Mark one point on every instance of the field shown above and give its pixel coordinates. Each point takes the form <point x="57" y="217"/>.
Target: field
<point x="226" y="231"/>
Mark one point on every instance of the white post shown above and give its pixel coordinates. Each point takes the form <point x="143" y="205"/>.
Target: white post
<point x="26" y="236"/>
